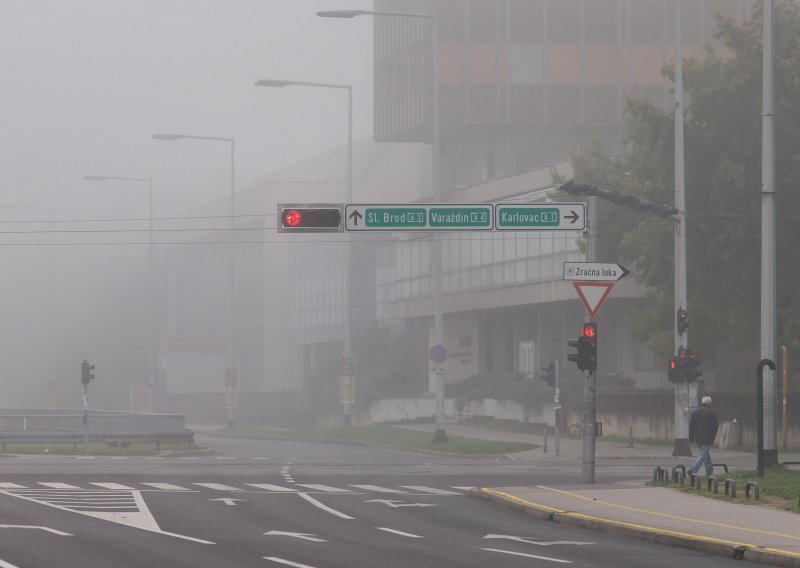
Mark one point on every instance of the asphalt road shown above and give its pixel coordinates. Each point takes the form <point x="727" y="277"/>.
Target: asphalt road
<point x="265" y="503"/>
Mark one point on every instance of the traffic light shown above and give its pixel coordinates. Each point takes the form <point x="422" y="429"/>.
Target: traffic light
<point x="549" y="374"/>
<point x="86" y="372"/>
<point x="683" y="321"/>
<point x="586" y="357"/>
<point x="309" y="218"/>
<point x="692" y="372"/>
<point x="588" y="352"/>
<point x="675" y="370"/>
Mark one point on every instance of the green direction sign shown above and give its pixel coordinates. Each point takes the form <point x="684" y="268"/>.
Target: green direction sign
<point x="540" y="217"/>
<point x="442" y="217"/>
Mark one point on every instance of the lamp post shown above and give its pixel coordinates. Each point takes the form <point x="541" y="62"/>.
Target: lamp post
<point x="348" y="296"/>
<point x="231" y="373"/>
<point x="149" y="181"/>
<point x="437" y="379"/>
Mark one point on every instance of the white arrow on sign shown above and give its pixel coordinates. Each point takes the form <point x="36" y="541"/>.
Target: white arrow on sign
<point x="302" y="536"/>
<point x="396" y="504"/>
<point x="594" y="271"/>
<point x="227" y="500"/>
<point x="532" y="540"/>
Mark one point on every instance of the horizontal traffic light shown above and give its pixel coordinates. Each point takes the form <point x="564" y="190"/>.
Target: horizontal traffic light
<point x="309" y="218"/>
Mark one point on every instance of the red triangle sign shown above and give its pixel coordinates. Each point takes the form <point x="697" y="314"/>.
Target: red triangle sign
<point x="593" y="294"/>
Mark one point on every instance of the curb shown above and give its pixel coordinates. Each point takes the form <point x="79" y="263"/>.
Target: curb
<point x="729" y="549"/>
<point x="365" y="443"/>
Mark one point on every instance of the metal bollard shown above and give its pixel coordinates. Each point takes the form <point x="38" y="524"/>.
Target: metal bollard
<point x="756" y="492"/>
<point x="656" y="473"/>
<point x="710" y="482"/>
<point x="544" y="448"/>
<point x="722" y="465"/>
<point x="730" y="485"/>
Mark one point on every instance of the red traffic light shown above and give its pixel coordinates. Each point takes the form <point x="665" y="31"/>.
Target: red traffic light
<point x="309" y="218"/>
<point x="292" y="218"/>
<point x="589" y="330"/>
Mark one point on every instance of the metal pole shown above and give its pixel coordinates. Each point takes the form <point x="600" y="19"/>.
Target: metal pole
<point x="153" y="347"/>
<point x="232" y="290"/>
<point x="681" y="418"/>
<point x="438" y="334"/>
<point x="589" y="395"/>
<point x="557" y="408"/>
<point x="86" y="420"/>
<point x="784" y="351"/>
<point x="348" y="264"/>
<point x="768" y="326"/>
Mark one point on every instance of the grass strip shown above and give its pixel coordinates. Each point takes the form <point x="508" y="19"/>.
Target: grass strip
<point x="780" y="487"/>
<point x="382" y="434"/>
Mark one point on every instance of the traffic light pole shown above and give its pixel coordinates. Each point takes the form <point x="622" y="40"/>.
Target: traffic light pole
<point x="86" y="420"/>
<point x="681" y="416"/>
<point x="557" y="413"/>
<point x="589" y="395"/>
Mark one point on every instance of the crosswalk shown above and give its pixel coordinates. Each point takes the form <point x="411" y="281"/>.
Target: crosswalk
<point x="99" y="486"/>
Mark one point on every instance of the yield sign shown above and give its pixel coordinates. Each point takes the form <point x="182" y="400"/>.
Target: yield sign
<point x="593" y="294"/>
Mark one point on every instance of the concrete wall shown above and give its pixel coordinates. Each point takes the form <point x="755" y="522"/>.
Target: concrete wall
<point x="399" y="409"/>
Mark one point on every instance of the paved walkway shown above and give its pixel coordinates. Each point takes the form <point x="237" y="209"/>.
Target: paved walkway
<point x="659" y="514"/>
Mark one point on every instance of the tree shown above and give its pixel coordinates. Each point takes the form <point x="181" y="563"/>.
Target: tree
<point x="723" y="181"/>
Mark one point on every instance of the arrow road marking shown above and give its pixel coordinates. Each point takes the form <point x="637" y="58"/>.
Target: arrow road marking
<point x="324" y="507"/>
<point x="48" y="529"/>
<point x="397" y="504"/>
<point x="227" y="500"/>
<point x="303" y="536"/>
<point x="528" y="555"/>
<point x="532" y="540"/>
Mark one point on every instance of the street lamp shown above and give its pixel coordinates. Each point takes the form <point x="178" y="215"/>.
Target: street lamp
<point x="149" y="181"/>
<point x="230" y="376"/>
<point x="438" y="379"/>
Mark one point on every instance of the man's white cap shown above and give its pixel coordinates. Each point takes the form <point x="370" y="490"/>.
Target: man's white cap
<point x="706" y="400"/>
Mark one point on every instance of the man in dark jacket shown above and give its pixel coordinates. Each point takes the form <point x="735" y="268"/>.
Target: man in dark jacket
<point x="703" y="427"/>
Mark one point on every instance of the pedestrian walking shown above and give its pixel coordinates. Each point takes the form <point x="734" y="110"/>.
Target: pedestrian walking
<point x="703" y="427"/>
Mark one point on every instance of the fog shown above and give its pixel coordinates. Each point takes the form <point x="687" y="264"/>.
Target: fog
<point x="84" y="85"/>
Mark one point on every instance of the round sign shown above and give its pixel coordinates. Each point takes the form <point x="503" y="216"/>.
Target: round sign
<point x="438" y="354"/>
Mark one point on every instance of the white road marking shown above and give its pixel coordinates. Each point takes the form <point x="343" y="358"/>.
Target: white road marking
<point x="325" y="488"/>
<point x="227" y="501"/>
<point x="270" y="558"/>
<point x="401" y="533"/>
<point x="431" y="490"/>
<point x="398" y="504"/>
<point x="167" y="486"/>
<point x="47" y="529"/>
<point x="5" y="485"/>
<point x="275" y="488"/>
<point x="111" y="485"/>
<point x="324" y="507"/>
<point x="260" y="458"/>
<point x="533" y="540"/>
<point x="218" y="486"/>
<point x="120" y="457"/>
<point x="4" y="564"/>
<point x="302" y="536"/>
<point x="528" y="555"/>
<point x="224" y="458"/>
<point x="463" y="487"/>
<point x="379" y="489"/>
<point x="56" y="485"/>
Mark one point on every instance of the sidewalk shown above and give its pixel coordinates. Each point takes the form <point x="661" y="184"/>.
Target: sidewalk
<point x="758" y="534"/>
<point x="750" y="532"/>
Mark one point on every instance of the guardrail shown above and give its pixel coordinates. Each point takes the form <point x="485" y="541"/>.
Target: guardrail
<point x="66" y="426"/>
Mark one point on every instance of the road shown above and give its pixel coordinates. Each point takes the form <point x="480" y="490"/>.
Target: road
<point x="271" y="503"/>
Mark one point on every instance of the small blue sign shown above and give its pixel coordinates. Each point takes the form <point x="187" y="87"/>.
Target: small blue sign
<point x="438" y="354"/>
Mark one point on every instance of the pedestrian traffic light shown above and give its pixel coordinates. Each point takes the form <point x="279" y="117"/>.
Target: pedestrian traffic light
<point x="675" y="370"/>
<point x="586" y="357"/>
<point x="86" y="372"/>
<point x="692" y="366"/>
<point x="309" y="218"/>
<point x="682" y="321"/>
<point x="549" y="374"/>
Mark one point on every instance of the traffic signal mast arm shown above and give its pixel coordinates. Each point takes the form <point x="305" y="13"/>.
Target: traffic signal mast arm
<point x="643" y="205"/>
